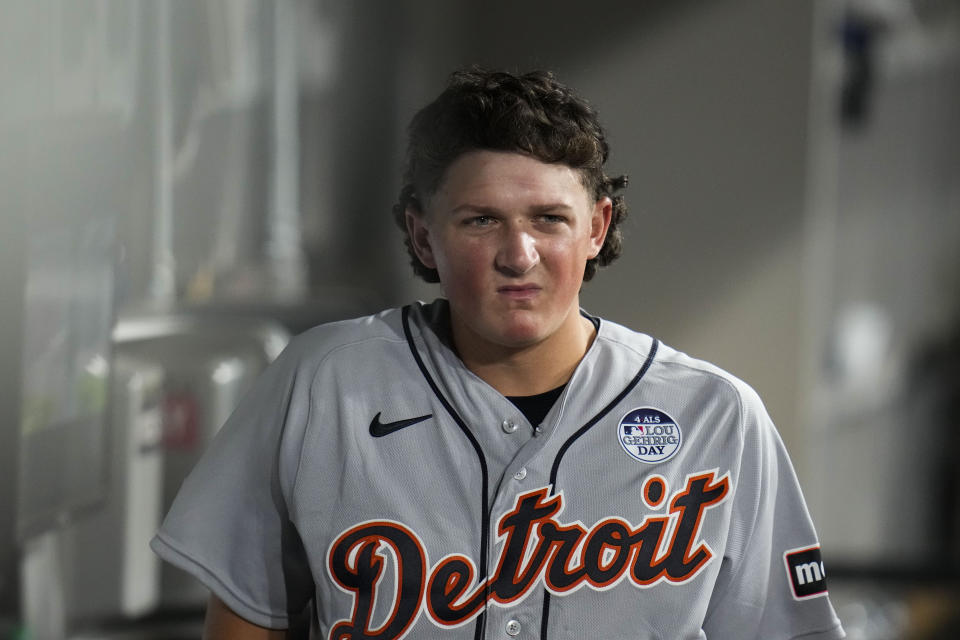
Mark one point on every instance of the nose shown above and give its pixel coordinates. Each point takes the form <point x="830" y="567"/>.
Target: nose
<point x="518" y="252"/>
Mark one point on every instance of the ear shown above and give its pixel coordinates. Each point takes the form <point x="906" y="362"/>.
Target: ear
<point x="599" y="224"/>
<point x="420" y="236"/>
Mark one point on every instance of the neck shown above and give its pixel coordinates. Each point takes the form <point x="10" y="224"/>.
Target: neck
<point x="530" y="369"/>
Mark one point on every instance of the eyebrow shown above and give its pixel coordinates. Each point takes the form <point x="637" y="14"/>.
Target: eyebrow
<point x="540" y="208"/>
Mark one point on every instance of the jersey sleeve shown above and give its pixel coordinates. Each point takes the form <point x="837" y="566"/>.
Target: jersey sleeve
<point x="772" y="583"/>
<point x="229" y="525"/>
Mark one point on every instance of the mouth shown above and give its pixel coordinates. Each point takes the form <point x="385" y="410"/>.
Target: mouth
<point x="519" y="291"/>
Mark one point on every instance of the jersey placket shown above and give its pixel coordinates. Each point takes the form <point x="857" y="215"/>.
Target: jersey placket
<point x="519" y="617"/>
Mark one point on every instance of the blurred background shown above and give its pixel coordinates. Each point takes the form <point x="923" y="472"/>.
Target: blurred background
<point x="185" y="185"/>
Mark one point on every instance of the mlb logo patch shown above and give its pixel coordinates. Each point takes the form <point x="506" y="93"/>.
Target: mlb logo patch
<point x="808" y="578"/>
<point x="649" y="435"/>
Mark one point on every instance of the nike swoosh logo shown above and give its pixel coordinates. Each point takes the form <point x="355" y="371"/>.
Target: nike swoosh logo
<point x="379" y="429"/>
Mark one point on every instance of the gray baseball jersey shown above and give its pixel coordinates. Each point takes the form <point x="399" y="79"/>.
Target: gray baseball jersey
<point x="370" y="472"/>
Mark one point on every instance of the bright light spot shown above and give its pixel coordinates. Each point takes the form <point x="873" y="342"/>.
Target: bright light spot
<point x="98" y="366"/>
<point x="227" y="370"/>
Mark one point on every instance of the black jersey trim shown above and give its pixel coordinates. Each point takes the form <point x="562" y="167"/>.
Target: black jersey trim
<point x="485" y="513"/>
<point x="545" y="616"/>
<point x="594" y="319"/>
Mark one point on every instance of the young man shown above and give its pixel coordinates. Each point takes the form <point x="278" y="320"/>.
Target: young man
<point x="499" y="463"/>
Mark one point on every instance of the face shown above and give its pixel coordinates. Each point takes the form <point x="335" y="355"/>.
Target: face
<point x="509" y="236"/>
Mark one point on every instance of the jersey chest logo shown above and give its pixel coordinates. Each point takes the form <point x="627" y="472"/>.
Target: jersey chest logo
<point x="379" y="429"/>
<point x="535" y="549"/>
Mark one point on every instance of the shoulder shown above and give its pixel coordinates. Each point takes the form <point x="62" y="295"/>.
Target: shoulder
<point x="312" y="347"/>
<point x="671" y="371"/>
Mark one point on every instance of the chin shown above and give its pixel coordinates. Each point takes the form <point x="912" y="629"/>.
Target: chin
<point x="520" y="337"/>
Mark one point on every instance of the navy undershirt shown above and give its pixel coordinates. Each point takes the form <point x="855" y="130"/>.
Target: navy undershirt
<point x="535" y="408"/>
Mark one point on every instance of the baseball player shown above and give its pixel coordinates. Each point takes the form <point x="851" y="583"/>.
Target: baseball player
<point x="499" y="463"/>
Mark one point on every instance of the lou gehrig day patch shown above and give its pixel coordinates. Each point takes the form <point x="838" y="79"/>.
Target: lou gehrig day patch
<point x="805" y="570"/>
<point x="649" y="435"/>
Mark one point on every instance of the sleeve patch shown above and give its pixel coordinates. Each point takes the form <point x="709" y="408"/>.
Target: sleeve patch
<point x="805" y="571"/>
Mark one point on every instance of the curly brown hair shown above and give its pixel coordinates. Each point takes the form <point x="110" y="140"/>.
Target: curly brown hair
<point x="533" y="114"/>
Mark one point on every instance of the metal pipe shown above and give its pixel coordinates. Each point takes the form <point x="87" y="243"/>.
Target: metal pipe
<point x="163" y="281"/>
<point x="286" y="260"/>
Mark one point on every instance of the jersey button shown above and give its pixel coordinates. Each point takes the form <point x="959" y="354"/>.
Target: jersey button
<point x="508" y="426"/>
<point x="513" y="628"/>
<point x="521" y="474"/>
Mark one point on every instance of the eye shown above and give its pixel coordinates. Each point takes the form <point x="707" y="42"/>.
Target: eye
<point x="480" y="221"/>
<point x="552" y="218"/>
